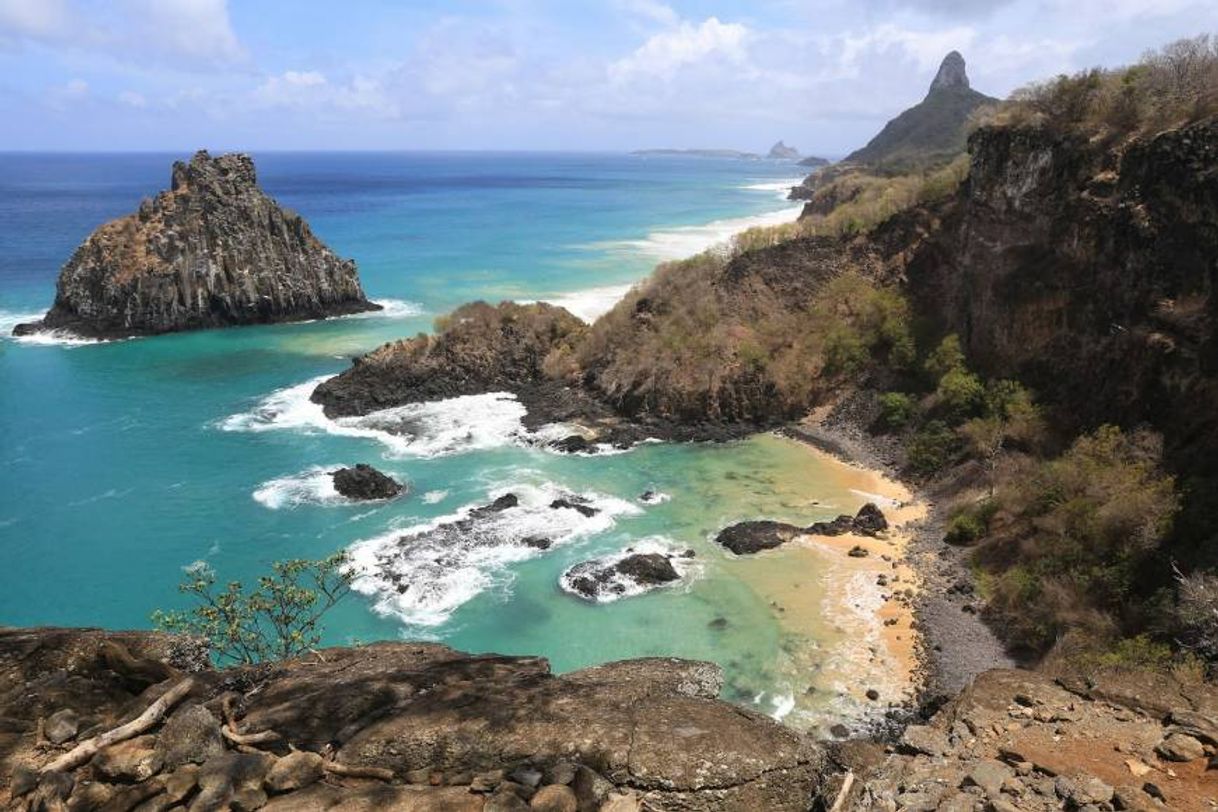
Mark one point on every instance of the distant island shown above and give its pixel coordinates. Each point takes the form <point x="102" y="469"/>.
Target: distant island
<point x="779" y="152"/>
<point x="782" y="152"/>
<point x="701" y="153"/>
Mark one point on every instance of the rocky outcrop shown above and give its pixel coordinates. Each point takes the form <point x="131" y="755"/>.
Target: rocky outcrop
<point x="363" y="482"/>
<point x="746" y="538"/>
<point x="1017" y="740"/>
<point x="814" y="161"/>
<point x="478" y="348"/>
<point x="212" y="251"/>
<point x="603" y="580"/>
<point x="388" y="726"/>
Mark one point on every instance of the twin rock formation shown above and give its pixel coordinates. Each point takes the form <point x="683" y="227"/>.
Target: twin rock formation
<point x="212" y="251"/>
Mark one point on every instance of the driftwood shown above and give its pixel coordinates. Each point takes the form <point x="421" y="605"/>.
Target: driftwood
<point x="249" y="739"/>
<point x="844" y="793"/>
<point x="152" y="714"/>
<point x="352" y="771"/>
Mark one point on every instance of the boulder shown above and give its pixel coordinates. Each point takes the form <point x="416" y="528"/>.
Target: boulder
<point x="870" y="520"/>
<point x="746" y="538"/>
<point x="363" y="482"/>
<point x="296" y="770"/>
<point x="1180" y="747"/>
<point x="191" y="735"/>
<point x="61" y="726"/>
<point x="132" y="760"/>
<point x="554" y="798"/>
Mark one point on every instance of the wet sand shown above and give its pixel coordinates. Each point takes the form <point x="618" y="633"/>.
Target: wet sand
<point x="850" y="619"/>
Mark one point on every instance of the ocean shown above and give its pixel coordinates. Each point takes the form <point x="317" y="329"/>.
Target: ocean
<point x="124" y="462"/>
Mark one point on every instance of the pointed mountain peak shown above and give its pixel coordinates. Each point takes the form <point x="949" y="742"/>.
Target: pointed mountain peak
<point x="951" y="73"/>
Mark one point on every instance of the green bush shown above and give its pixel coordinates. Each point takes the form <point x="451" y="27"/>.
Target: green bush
<point x="897" y="409"/>
<point x="932" y="448"/>
<point x="961" y="394"/>
<point x="970" y="522"/>
<point x="278" y="619"/>
<point x="1084" y="528"/>
<point x="945" y="358"/>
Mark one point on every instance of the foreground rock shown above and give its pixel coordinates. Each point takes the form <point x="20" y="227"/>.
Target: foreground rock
<point x="746" y="538"/>
<point x="213" y="251"/>
<point x="389" y="726"/>
<point x="1016" y="740"/>
<point x="364" y="482"/>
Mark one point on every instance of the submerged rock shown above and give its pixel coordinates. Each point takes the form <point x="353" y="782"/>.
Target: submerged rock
<point x="212" y="251"/>
<point x="365" y="483"/>
<point x="576" y="504"/>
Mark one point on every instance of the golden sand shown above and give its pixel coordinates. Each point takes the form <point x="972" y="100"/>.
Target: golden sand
<point x="850" y="619"/>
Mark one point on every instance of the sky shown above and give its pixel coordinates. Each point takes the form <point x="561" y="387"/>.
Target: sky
<point x="86" y="75"/>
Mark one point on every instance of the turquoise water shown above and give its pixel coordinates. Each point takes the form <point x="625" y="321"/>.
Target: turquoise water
<point x="124" y="462"/>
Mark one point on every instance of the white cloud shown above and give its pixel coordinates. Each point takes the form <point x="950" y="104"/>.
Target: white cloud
<point x="180" y="33"/>
<point x="132" y="99"/>
<point x="925" y="48"/>
<point x="664" y="54"/>
<point x="32" y="18"/>
<point x="650" y="10"/>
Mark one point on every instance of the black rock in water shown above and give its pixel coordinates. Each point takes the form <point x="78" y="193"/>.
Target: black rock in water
<point x="599" y="580"/>
<point x="576" y="505"/>
<point x="648" y="568"/>
<point x="753" y="537"/>
<point x="365" y="483"/>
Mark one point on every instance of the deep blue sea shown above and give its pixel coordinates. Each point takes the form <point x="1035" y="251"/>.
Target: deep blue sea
<point x="123" y="462"/>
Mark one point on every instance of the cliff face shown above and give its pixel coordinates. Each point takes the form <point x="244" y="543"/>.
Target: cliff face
<point x="1089" y="271"/>
<point x="212" y="251"/>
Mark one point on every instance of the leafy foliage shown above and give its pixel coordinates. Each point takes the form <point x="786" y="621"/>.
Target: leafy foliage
<point x="1083" y="526"/>
<point x="897" y="409"/>
<point x="278" y="619"/>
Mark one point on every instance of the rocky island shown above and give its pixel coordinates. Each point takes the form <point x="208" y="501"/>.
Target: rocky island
<point x="212" y="251"/>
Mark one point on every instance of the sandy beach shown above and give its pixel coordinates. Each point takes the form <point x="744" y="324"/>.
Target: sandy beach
<point x="849" y="619"/>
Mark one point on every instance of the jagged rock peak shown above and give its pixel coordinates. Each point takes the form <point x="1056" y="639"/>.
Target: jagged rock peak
<point x="235" y="168"/>
<point x="951" y="73"/>
<point x="212" y="251"/>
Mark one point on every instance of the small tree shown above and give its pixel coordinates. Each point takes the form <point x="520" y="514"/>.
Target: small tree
<point x="277" y="620"/>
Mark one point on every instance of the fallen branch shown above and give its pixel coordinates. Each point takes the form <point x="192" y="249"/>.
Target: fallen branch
<point x="350" y="771"/>
<point x="154" y="713"/>
<point x="249" y="739"/>
<point x="843" y="793"/>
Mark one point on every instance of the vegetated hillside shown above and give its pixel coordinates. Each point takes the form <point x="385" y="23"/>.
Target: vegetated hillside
<point x="1066" y="285"/>
<point x="934" y="130"/>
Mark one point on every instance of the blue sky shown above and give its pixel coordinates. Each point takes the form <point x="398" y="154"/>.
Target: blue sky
<point x="527" y="74"/>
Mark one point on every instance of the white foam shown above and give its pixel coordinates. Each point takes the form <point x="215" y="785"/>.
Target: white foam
<point x="879" y="499"/>
<point x="782" y="187"/>
<point x="422" y="574"/>
<point x="434" y="497"/>
<point x="678" y="243"/>
<point x="314" y="486"/>
<point x="433" y="429"/>
<point x="58" y="338"/>
<point x="618" y="586"/>
<point x="654" y="498"/>
<point x="589" y="305"/>
<point x="392" y="309"/>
